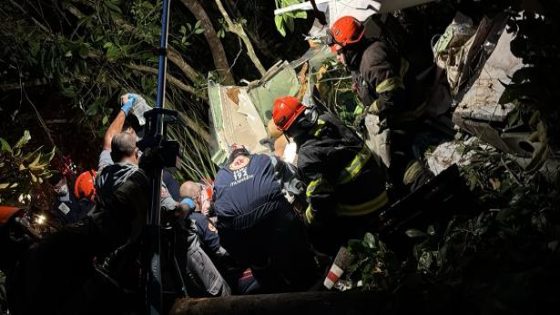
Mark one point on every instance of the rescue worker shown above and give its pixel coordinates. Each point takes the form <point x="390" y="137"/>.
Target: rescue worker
<point x="195" y="200"/>
<point x="386" y="87"/>
<point x="258" y="225"/>
<point x="199" y="267"/>
<point x="207" y="232"/>
<point x="68" y="207"/>
<point x="84" y="190"/>
<point x="345" y="183"/>
<point x="122" y="124"/>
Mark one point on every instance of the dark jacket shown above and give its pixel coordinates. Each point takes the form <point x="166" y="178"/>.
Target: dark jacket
<point x="385" y="83"/>
<point x="122" y="202"/>
<point x="343" y="177"/>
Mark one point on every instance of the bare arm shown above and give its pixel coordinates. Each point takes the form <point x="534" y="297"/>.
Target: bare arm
<point x="118" y="123"/>
<point x="115" y="128"/>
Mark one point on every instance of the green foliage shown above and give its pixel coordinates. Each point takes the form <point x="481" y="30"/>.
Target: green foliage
<point x="187" y="31"/>
<point x="374" y="267"/>
<point x="22" y="170"/>
<point x="335" y="88"/>
<point x="88" y="58"/>
<point x="503" y="255"/>
<point x="286" y="20"/>
<point x="535" y="87"/>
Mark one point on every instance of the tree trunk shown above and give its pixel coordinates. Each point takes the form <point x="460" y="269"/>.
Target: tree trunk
<point x="216" y="47"/>
<point x="308" y="303"/>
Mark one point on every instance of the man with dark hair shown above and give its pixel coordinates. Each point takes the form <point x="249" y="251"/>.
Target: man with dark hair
<point x="258" y="225"/>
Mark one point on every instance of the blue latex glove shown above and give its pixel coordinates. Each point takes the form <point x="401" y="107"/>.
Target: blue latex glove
<point x="127" y="106"/>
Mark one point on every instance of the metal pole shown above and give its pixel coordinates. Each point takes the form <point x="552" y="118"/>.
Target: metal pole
<point x="153" y="269"/>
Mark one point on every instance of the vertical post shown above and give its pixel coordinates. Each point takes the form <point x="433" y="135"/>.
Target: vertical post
<point x="153" y="234"/>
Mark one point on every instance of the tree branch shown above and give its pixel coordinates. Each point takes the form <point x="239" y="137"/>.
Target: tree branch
<point x="176" y="58"/>
<point x="41" y="26"/>
<point x="238" y="30"/>
<point x="73" y="10"/>
<point x="174" y="55"/>
<point x="171" y="79"/>
<point x="216" y="47"/>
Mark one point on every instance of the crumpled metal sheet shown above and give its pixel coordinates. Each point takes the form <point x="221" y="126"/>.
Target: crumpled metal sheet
<point x="235" y="120"/>
<point x="449" y="153"/>
<point x="239" y="114"/>
<point x="479" y="112"/>
<point x="480" y="102"/>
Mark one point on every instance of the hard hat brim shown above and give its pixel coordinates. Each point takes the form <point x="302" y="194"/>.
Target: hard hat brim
<point x="292" y="119"/>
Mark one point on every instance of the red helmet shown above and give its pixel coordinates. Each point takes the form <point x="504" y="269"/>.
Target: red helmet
<point x="84" y="186"/>
<point x="285" y="111"/>
<point x="6" y="213"/>
<point x="346" y="31"/>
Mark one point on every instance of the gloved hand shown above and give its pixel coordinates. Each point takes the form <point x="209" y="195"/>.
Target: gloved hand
<point x="127" y="102"/>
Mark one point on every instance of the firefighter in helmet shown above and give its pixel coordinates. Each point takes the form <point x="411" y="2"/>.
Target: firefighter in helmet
<point x="346" y="184"/>
<point x="380" y="74"/>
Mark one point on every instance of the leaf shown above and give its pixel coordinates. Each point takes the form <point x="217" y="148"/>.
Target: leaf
<point x="35" y="48"/>
<point x="5" y="146"/>
<point x="415" y="233"/>
<point x="369" y="240"/>
<point x="4" y="185"/>
<point x="299" y="14"/>
<point x="23" y="140"/>
<point x="113" y="7"/>
<point x="83" y="51"/>
<point x="279" y="21"/>
<point x="113" y="52"/>
<point x="50" y="155"/>
<point x="289" y="23"/>
<point x="35" y="160"/>
<point x="105" y="120"/>
<point x="92" y="110"/>
<point x="68" y="92"/>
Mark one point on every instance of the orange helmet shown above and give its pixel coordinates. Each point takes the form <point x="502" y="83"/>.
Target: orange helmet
<point x="346" y="31"/>
<point x="285" y="111"/>
<point x="84" y="186"/>
<point x="6" y="213"/>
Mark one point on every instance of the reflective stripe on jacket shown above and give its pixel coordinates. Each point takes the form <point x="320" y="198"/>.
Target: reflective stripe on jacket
<point x="341" y="174"/>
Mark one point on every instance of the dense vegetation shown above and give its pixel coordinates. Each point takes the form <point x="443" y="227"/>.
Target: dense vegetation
<point x="63" y="65"/>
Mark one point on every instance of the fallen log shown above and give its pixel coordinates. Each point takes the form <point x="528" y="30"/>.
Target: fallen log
<point x="309" y="303"/>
